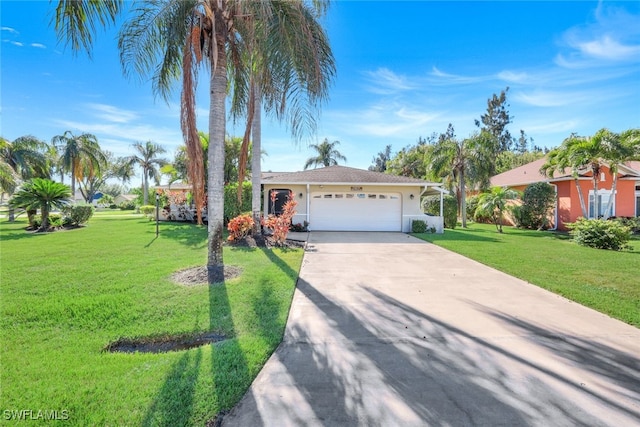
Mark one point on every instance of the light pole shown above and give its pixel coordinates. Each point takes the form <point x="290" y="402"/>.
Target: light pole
<point x="157" y="213"/>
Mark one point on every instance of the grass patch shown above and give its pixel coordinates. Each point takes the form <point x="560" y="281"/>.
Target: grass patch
<point x="66" y="295"/>
<point x="606" y="281"/>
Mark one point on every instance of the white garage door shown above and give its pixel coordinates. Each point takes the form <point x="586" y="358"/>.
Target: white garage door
<point x="355" y="212"/>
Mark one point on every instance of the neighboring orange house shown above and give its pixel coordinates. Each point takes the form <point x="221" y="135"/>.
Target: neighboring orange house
<point x="626" y="201"/>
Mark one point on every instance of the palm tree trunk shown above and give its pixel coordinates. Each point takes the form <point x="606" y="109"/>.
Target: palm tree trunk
<point x="215" y="180"/>
<point x="596" y="210"/>
<point x="463" y="200"/>
<point x="256" y="166"/>
<point x="145" y="188"/>
<point x="44" y="213"/>
<point x="607" y="211"/>
<point x="585" y="213"/>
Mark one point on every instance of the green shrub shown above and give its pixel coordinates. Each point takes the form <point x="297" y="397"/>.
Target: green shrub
<point x="231" y="206"/>
<point x="537" y="201"/>
<point x="472" y="205"/>
<point x="600" y="234"/>
<point x="629" y="221"/>
<point x="148" y="210"/>
<point x="431" y="205"/>
<point x="418" y="226"/>
<point x="77" y="214"/>
<point x="55" y="220"/>
<point x="127" y="206"/>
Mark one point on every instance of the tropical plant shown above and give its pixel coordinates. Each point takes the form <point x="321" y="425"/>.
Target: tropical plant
<point x="580" y="154"/>
<point x="280" y="224"/>
<point x="459" y="161"/>
<point x="494" y="204"/>
<point x="166" y="39"/>
<point x="619" y="148"/>
<point x="80" y="155"/>
<point x="147" y="159"/>
<point x="327" y="155"/>
<point x="239" y="227"/>
<point x="290" y="76"/>
<point x="43" y="194"/>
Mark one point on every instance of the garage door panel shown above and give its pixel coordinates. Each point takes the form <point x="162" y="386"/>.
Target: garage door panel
<point x="353" y="212"/>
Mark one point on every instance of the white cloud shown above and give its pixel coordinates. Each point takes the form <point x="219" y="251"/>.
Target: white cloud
<point x="550" y="99"/>
<point x="514" y="77"/>
<point x="613" y="36"/>
<point x="9" y="30"/>
<point x="446" y="78"/>
<point x="606" y="47"/>
<point x="16" y="43"/>
<point x="112" y="114"/>
<point x="386" y="82"/>
<point x="38" y="45"/>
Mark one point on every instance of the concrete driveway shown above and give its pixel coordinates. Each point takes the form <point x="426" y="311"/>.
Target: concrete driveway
<point x="388" y="330"/>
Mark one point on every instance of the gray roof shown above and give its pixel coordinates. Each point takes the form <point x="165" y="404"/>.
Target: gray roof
<point x="341" y="175"/>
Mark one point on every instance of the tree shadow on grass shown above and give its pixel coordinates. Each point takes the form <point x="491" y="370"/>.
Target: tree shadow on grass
<point x="190" y="235"/>
<point x="174" y="403"/>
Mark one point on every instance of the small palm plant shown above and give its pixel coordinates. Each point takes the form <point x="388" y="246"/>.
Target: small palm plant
<point x="494" y="203"/>
<point x="43" y="194"/>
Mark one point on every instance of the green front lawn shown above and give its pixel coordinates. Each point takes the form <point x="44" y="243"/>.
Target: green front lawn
<point x="606" y="281"/>
<point x="66" y="295"/>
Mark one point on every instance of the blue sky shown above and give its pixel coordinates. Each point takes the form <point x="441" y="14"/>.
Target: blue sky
<point x="404" y="70"/>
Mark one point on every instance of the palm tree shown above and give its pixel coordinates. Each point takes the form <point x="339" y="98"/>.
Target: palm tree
<point x="147" y="159"/>
<point x="459" y="161"/>
<point x="327" y="155"/>
<point x="290" y="76"/>
<point x="580" y="153"/>
<point x="79" y="154"/>
<point x="558" y="160"/>
<point x="44" y="194"/>
<point x="172" y="38"/>
<point x="493" y="204"/>
<point x="618" y="149"/>
<point x="22" y="159"/>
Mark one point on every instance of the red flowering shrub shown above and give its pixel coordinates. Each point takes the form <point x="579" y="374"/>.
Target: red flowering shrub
<point x="279" y="224"/>
<point x="239" y="227"/>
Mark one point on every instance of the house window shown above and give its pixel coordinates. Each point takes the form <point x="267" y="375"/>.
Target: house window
<point x="637" y="199"/>
<point x="603" y="201"/>
<point x="281" y="197"/>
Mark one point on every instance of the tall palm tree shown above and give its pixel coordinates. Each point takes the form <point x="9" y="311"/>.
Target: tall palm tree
<point x="147" y="159"/>
<point x="79" y="155"/>
<point x="618" y="149"/>
<point x="328" y="155"/>
<point x="44" y="194"/>
<point x="290" y="76"/>
<point x="172" y="38"/>
<point x="460" y="161"/>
